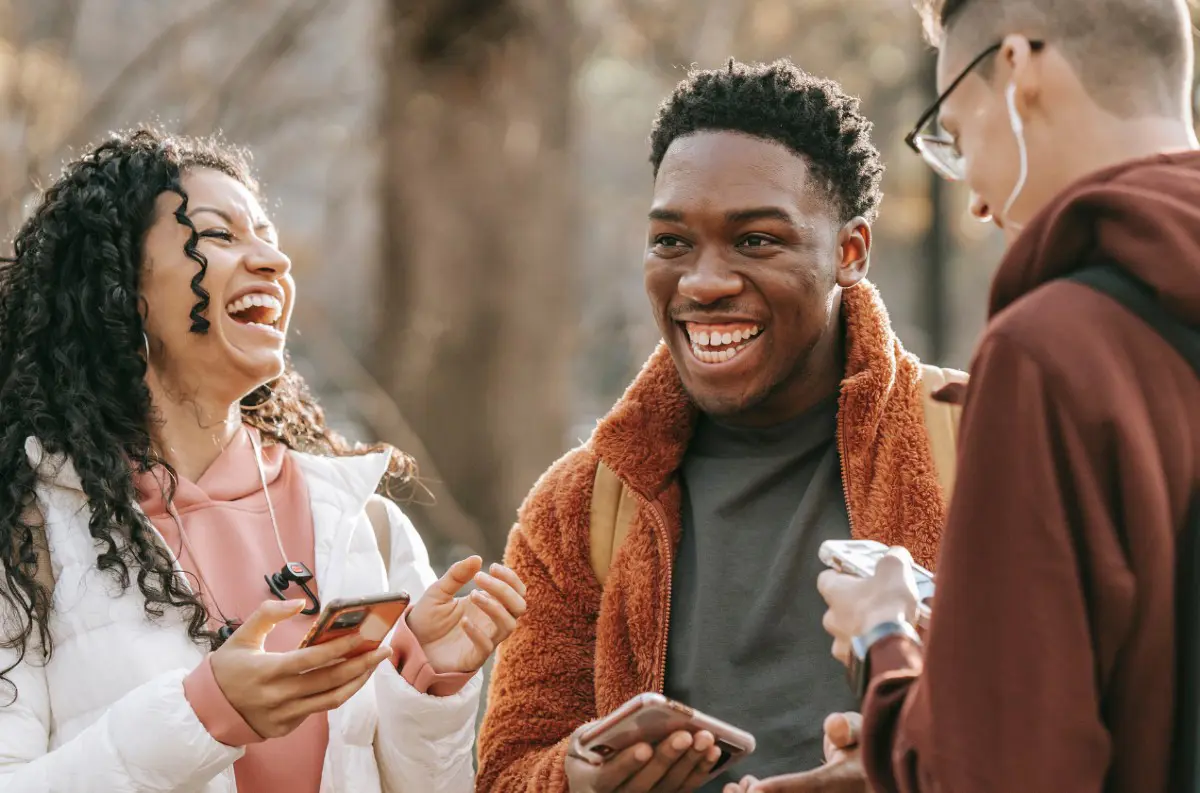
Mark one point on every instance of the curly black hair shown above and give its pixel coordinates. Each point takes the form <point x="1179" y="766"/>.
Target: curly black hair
<point x="780" y="102"/>
<point x="72" y="374"/>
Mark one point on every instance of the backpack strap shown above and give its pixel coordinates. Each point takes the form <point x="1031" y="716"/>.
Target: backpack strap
<point x="1139" y="298"/>
<point x="612" y="513"/>
<point x="1113" y="280"/>
<point x="941" y="423"/>
<point x="377" y="512"/>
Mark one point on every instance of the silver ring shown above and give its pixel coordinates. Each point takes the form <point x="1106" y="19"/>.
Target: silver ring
<point x="854" y="736"/>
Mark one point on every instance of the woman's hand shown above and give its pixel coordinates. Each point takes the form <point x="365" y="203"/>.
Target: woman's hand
<point x="275" y="692"/>
<point x="856" y="605"/>
<point x="459" y="633"/>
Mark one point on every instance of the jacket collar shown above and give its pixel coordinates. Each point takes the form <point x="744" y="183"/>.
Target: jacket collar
<point x="644" y="438"/>
<point x="891" y="484"/>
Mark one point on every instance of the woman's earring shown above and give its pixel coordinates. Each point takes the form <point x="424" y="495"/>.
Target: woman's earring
<point x="261" y="406"/>
<point x="146" y="344"/>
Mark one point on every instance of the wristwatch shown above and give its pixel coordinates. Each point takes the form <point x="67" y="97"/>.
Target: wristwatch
<point x="858" y="669"/>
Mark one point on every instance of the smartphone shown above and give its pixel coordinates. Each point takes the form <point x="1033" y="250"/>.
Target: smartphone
<point x="371" y="617"/>
<point x="653" y="718"/>
<point x="859" y="557"/>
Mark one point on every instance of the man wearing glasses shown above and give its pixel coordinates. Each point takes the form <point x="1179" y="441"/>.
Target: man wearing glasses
<point x="1051" y="662"/>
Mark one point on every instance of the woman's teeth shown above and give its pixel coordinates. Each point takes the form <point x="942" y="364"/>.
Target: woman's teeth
<point x="717" y="344"/>
<point x="256" y="309"/>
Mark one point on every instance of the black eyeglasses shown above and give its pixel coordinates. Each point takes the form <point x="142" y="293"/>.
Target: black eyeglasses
<point x="937" y="149"/>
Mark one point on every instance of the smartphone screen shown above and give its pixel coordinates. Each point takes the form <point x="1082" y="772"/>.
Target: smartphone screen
<point x="866" y="554"/>
<point x="860" y="557"/>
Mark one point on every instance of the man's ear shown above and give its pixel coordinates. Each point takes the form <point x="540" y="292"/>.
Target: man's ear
<point x="854" y="243"/>
<point x="1024" y="70"/>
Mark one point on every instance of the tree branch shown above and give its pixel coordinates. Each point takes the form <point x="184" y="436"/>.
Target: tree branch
<point x="113" y="94"/>
<point x="370" y="400"/>
<point x="259" y="59"/>
<point x="66" y="25"/>
<point x="170" y="38"/>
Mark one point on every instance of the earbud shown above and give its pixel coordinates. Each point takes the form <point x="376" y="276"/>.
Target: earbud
<point x="226" y="631"/>
<point x="1010" y="95"/>
<point x="294" y="573"/>
<point x="1018" y="130"/>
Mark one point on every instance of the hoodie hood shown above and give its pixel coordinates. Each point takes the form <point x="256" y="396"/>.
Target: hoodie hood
<point x="232" y="477"/>
<point x="1144" y="215"/>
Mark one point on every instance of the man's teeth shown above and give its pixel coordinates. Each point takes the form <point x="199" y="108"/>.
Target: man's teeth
<point x="269" y="302"/>
<point x="705" y="338"/>
<point x="704" y="342"/>
<point x="720" y="356"/>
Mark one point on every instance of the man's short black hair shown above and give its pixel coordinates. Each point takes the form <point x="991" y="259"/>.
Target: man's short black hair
<point x="780" y="102"/>
<point x="1134" y="57"/>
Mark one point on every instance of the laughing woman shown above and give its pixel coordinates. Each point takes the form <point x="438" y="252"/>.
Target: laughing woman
<point x="161" y="468"/>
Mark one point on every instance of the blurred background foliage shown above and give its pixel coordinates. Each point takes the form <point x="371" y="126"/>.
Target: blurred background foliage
<point x="462" y="185"/>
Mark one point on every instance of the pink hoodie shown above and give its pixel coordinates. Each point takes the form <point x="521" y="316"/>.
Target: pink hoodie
<point x="229" y="532"/>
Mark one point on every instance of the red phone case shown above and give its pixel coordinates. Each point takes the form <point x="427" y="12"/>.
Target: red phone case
<point x="373" y="617"/>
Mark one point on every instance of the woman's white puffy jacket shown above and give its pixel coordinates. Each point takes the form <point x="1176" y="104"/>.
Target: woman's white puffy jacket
<point x="108" y="714"/>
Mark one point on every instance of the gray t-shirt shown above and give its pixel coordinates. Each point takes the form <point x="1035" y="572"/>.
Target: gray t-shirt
<point x="746" y="643"/>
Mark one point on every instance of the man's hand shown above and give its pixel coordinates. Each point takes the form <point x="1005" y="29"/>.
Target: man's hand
<point x="842" y="733"/>
<point x="842" y="772"/>
<point x="858" y="604"/>
<point x="679" y="764"/>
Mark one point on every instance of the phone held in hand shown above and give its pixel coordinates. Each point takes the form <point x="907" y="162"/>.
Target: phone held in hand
<point x="652" y="718"/>
<point x="372" y="617"/>
<point x="859" y="558"/>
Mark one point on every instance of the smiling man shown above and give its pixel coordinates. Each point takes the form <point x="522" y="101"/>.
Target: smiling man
<point x="780" y="411"/>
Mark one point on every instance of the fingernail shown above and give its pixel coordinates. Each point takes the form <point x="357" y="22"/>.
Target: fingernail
<point x="642" y="753"/>
<point x="681" y="742"/>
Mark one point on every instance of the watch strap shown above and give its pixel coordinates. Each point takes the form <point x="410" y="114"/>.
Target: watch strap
<point x="860" y="652"/>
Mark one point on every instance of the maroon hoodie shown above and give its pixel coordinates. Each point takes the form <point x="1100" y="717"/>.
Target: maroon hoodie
<point x="1050" y="663"/>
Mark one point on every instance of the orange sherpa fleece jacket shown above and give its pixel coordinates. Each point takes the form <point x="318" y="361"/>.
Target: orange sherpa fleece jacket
<point x="581" y="651"/>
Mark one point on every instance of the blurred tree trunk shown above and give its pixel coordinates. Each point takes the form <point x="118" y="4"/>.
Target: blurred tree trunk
<point x="475" y="332"/>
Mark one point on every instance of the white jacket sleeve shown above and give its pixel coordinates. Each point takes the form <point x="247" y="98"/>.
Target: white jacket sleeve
<point x="149" y="741"/>
<point x="424" y="744"/>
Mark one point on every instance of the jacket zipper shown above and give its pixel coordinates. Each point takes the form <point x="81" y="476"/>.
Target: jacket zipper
<point x="664" y="535"/>
<point x="841" y="444"/>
